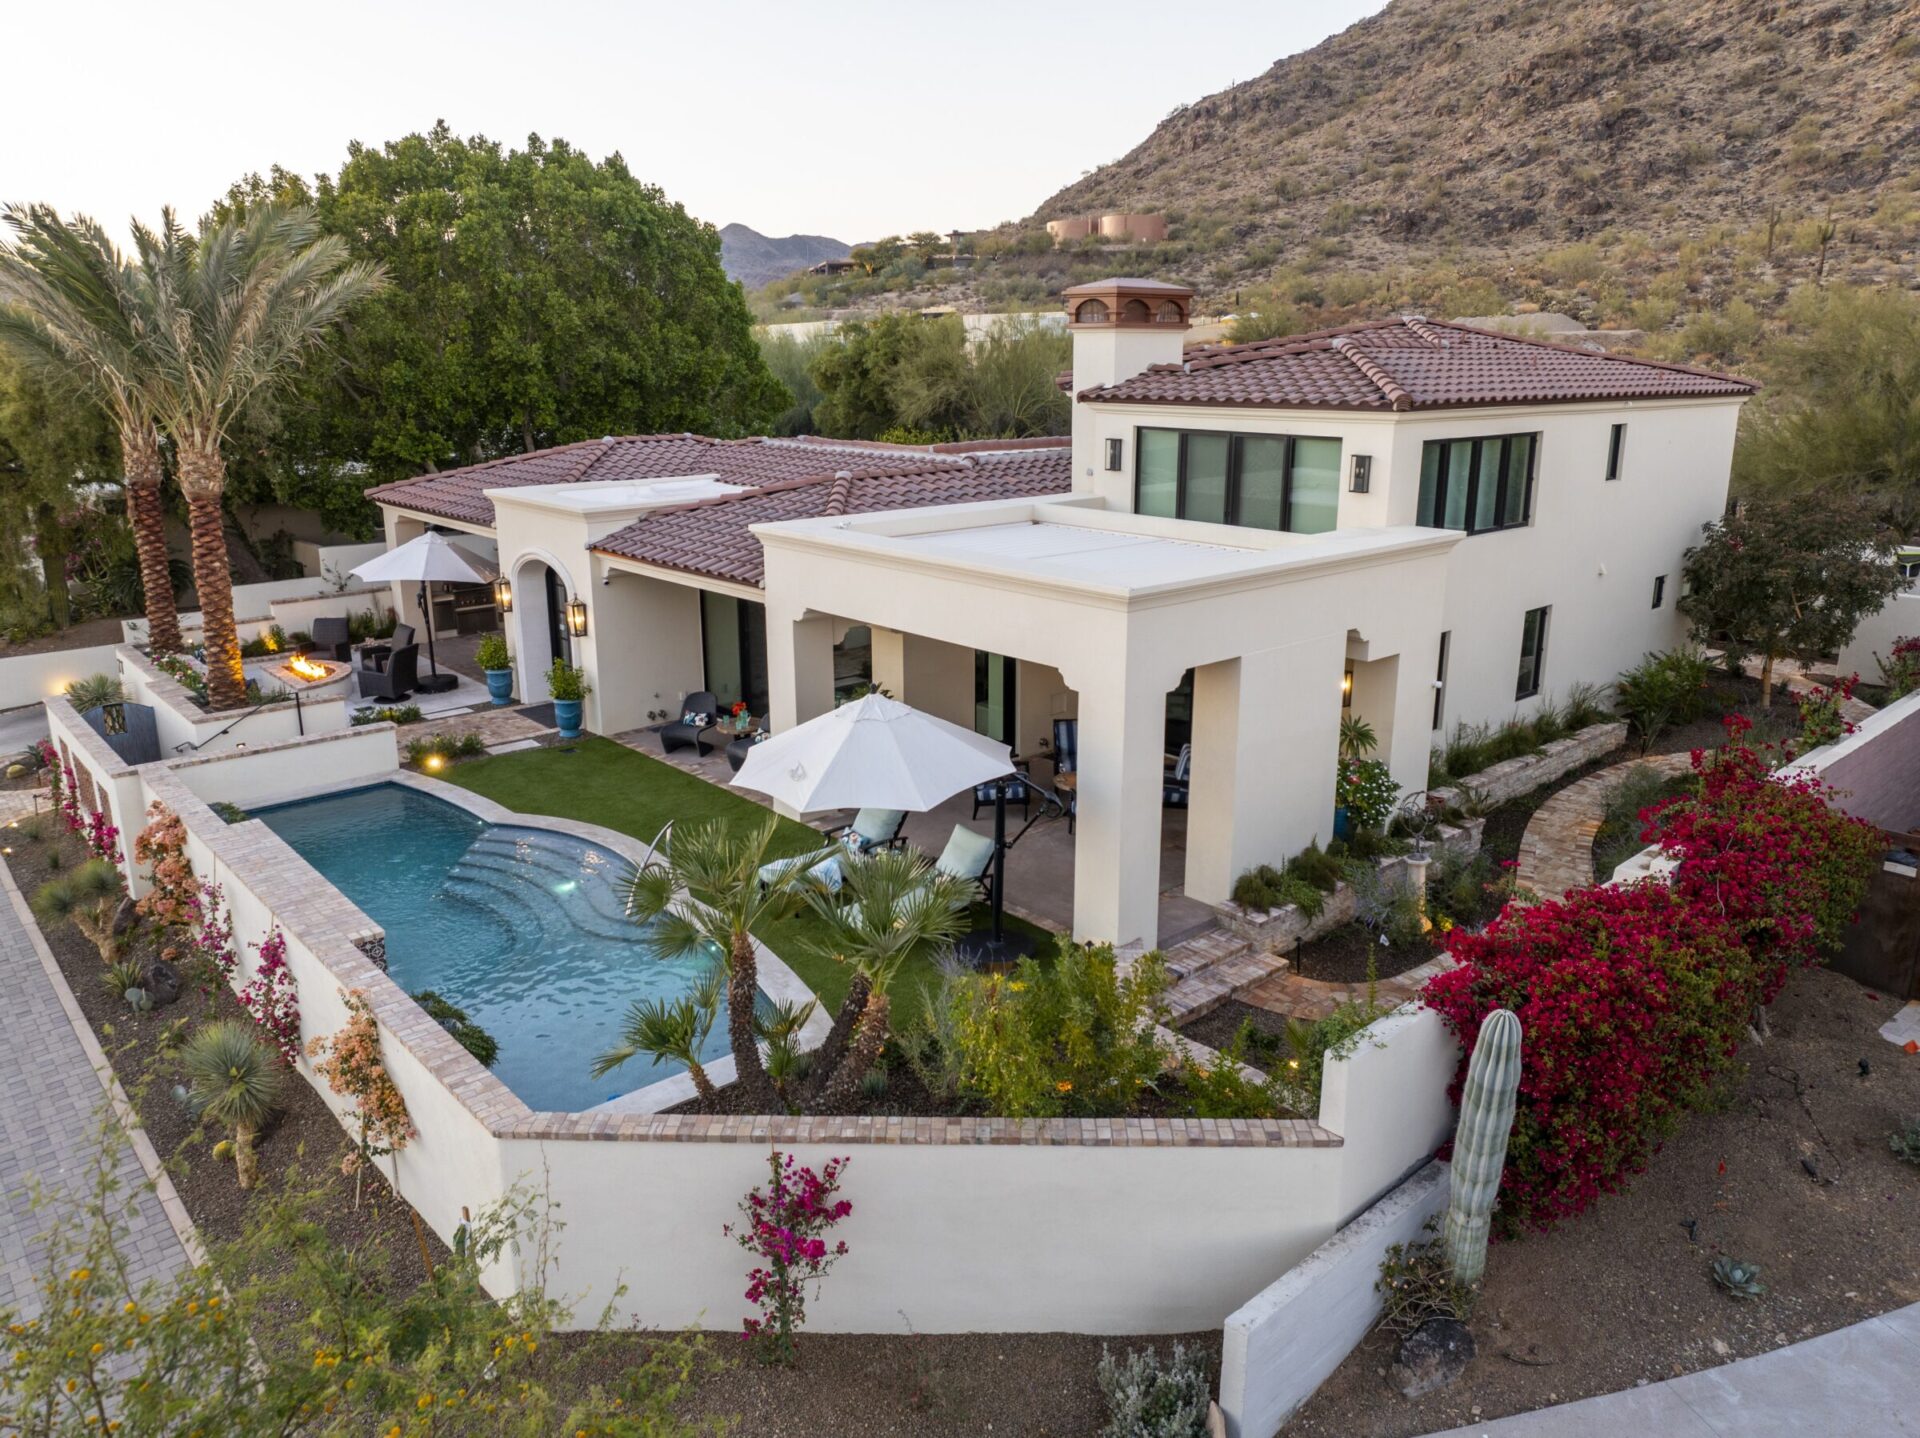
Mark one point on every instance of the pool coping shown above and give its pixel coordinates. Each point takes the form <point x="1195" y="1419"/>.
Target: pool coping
<point x="777" y="979"/>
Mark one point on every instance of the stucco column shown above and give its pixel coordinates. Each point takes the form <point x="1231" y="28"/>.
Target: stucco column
<point x="1410" y="754"/>
<point x="799" y="666"/>
<point x="890" y="661"/>
<point x="1266" y="736"/>
<point x="1116" y="857"/>
<point x="405" y="593"/>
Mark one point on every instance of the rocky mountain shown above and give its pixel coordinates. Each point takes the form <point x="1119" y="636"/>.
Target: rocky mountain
<point x="1495" y="125"/>
<point x="753" y="258"/>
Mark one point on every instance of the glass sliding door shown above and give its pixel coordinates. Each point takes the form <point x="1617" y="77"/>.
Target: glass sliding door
<point x="1263" y="482"/>
<point x="994" y="697"/>
<point x="1205" y="481"/>
<point x="1159" y="481"/>
<point x="1313" y="505"/>
<point x="733" y="642"/>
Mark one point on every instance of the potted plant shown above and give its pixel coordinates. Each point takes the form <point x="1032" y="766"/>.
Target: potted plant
<point x="492" y="657"/>
<point x="1357" y="740"/>
<point x="567" y="683"/>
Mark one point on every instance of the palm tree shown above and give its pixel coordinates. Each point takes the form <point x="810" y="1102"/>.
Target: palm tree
<point x="237" y="308"/>
<point x="235" y="1080"/>
<point x="890" y="905"/>
<point x="674" y="1031"/>
<point x="71" y="304"/>
<point x="707" y="894"/>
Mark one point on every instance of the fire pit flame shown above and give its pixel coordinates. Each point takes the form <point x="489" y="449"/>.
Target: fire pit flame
<point x="309" y="669"/>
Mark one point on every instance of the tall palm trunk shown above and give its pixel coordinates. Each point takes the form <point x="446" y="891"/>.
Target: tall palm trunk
<point x="702" y="1084"/>
<point x="140" y="467"/>
<point x="203" y="478"/>
<point x="843" y="1089"/>
<point x="743" y="988"/>
<point x="827" y="1058"/>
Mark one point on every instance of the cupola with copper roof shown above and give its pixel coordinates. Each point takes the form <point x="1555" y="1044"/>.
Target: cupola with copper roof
<point x="1121" y="327"/>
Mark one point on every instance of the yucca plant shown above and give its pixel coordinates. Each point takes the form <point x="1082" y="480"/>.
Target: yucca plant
<point x="891" y="905"/>
<point x="94" y="691"/>
<point x="87" y="898"/>
<point x="123" y="975"/>
<point x="1740" y="1279"/>
<point x="673" y="1031"/>
<point x="236" y="1080"/>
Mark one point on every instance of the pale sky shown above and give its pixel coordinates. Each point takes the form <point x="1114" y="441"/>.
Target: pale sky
<point x="851" y="118"/>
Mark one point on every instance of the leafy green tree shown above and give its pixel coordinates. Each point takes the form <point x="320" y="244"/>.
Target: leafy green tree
<point x="791" y="361"/>
<point x="1789" y="578"/>
<point x="1847" y="415"/>
<point x="537" y="298"/>
<point x="898" y="371"/>
<point x="51" y="442"/>
<point x="862" y="376"/>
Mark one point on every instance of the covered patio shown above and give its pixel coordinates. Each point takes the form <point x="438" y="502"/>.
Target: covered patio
<point x="1099" y="617"/>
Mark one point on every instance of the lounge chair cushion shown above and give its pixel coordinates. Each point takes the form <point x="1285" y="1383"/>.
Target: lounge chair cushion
<point x="872" y="828"/>
<point x="822" y="865"/>
<point x="967" y="854"/>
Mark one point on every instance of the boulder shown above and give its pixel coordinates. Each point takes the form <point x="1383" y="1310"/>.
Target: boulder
<point x="1432" y="1357"/>
<point x="126" y="915"/>
<point x="162" y="983"/>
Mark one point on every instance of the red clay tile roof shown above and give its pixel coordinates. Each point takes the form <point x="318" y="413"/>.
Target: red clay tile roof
<point x="459" y="494"/>
<point x="1410" y="363"/>
<point x="711" y="536"/>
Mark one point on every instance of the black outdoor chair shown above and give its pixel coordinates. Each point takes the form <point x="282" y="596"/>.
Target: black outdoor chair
<point x="1066" y="760"/>
<point x="1177" y="787"/>
<point x="332" y="639"/>
<point x="394" y="681"/>
<point x="682" y="733"/>
<point x="379" y="649"/>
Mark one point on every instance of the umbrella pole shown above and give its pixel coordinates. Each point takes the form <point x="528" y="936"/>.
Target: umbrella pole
<point x="426" y="618"/>
<point x="999" y="863"/>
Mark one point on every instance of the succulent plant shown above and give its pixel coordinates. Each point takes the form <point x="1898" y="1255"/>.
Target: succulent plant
<point x="1905" y="1143"/>
<point x="1738" y="1277"/>
<point x="138" y="1000"/>
<point x="1480" y="1143"/>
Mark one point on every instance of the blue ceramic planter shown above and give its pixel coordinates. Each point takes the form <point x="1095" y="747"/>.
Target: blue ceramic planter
<point x="566" y="714"/>
<point x="500" y="686"/>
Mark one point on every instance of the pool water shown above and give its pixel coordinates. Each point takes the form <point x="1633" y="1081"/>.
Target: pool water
<point x="523" y="928"/>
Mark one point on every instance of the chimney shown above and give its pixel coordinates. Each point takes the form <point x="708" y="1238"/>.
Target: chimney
<point x="1120" y="327"/>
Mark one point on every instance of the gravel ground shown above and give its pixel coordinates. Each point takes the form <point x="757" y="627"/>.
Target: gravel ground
<point x="1621" y="1295"/>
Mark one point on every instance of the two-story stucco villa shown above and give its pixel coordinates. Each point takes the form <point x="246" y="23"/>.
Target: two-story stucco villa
<point x="1417" y="522"/>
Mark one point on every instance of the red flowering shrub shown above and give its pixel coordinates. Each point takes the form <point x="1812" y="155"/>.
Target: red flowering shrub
<point x="1822" y="718"/>
<point x="1634" y="999"/>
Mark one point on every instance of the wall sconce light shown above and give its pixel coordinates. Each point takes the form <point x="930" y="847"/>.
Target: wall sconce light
<point x="577" y="618"/>
<point x="503" y="594"/>
<point x="1346" y="690"/>
<point x="1362" y="480"/>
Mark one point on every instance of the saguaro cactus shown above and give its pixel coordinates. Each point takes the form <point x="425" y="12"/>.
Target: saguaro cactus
<point x="1480" y="1144"/>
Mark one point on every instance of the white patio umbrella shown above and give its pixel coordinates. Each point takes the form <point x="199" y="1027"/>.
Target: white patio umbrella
<point x="879" y="753"/>
<point x="430" y="558"/>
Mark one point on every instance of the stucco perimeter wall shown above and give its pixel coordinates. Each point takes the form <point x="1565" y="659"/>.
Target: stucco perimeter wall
<point x="1873" y="641"/>
<point x="1123" y="1226"/>
<point x="183" y="726"/>
<point x="29" y="678"/>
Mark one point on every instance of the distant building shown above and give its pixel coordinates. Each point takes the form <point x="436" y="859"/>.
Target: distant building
<point x="1129" y="228"/>
<point x="834" y="267"/>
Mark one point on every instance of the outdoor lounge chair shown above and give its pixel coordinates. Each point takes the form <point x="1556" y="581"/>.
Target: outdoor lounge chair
<point x="969" y="856"/>
<point x="871" y="830"/>
<point x="393" y="682"/>
<point x="332" y="639"/>
<point x="698" y="711"/>
<point x="377" y="651"/>
<point x="1175" y="788"/>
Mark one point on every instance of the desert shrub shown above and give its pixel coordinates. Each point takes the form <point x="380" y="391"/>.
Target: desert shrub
<point x="1663" y="689"/>
<point x="1900" y="670"/>
<point x="1258" y="888"/>
<point x="1823" y="719"/>
<point x="365" y="624"/>
<point x="1222" y="1090"/>
<point x="1416" y="1285"/>
<point x="228" y="813"/>
<point x="442" y="747"/>
<point x="469" y="1035"/>
<point x="1309" y="1043"/>
<point x="1586" y="705"/>
<point x="1153" y="1397"/>
<point x="1073" y="1038"/>
<point x="1465" y="752"/>
<point x="1370" y="844"/>
<point x="1385" y="906"/>
<point x="387" y="714"/>
<point x="1314" y="865"/>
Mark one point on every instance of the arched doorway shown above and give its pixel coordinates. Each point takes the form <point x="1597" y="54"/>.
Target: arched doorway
<point x="540" y="597"/>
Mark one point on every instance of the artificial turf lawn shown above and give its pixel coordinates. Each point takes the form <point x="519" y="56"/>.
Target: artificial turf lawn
<point x="600" y="782"/>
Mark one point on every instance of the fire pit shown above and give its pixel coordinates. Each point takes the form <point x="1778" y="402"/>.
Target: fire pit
<point x="303" y="673"/>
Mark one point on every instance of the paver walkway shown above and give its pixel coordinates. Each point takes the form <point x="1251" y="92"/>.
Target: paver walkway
<point x="52" y="1103"/>
<point x="1556" y="852"/>
<point x="1851" y="1383"/>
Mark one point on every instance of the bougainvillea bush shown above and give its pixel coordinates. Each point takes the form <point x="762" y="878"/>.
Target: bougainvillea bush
<point x="162" y="846"/>
<point x="783" y="1228"/>
<point x="352" y="1065"/>
<point x="1634" y="999"/>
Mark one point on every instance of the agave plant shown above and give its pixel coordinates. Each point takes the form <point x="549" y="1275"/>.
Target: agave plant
<point x="94" y="691"/>
<point x="675" y="1031"/>
<point x="235" y="1080"/>
<point x="123" y="976"/>
<point x="1737" y="1277"/>
<point x="88" y="898"/>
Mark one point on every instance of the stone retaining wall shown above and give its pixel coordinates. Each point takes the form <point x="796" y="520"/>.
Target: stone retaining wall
<point x="1511" y="778"/>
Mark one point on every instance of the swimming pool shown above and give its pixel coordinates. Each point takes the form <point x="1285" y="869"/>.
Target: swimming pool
<point x="524" y="928"/>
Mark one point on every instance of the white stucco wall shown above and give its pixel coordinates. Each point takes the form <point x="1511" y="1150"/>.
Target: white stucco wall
<point x="1875" y="637"/>
<point x="29" y="678"/>
<point x="1674" y="479"/>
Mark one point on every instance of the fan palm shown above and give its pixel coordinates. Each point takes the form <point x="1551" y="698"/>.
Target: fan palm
<point x="237" y="308"/>
<point x="674" y="1031"/>
<point x="891" y="904"/>
<point x="235" y="1080"/>
<point x="72" y="304"/>
<point x="708" y="894"/>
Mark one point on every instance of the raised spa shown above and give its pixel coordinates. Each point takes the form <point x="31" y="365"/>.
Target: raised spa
<point x="523" y="928"/>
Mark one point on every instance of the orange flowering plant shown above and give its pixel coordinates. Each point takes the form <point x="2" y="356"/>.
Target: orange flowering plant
<point x="163" y="846"/>
<point x="351" y="1064"/>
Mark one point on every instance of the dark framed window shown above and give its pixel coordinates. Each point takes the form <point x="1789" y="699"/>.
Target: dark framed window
<point x="733" y="644"/>
<point x="1533" y="651"/>
<point x="1616" y="449"/>
<point x="1659" y="590"/>
<point x="1440" y="677"/>
<point x="1113" y="454"/>
<point x="1478" y="484"/>
<point x="1257" y="481"/>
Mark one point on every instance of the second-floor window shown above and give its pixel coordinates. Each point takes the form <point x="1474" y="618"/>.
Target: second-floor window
<point x="1257" y="480"/>
<point x="1477" y="484"/>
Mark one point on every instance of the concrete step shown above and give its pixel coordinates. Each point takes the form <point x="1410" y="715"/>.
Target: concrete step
<point x="1206" y="988"/>
<point x="1201" y="951"/>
